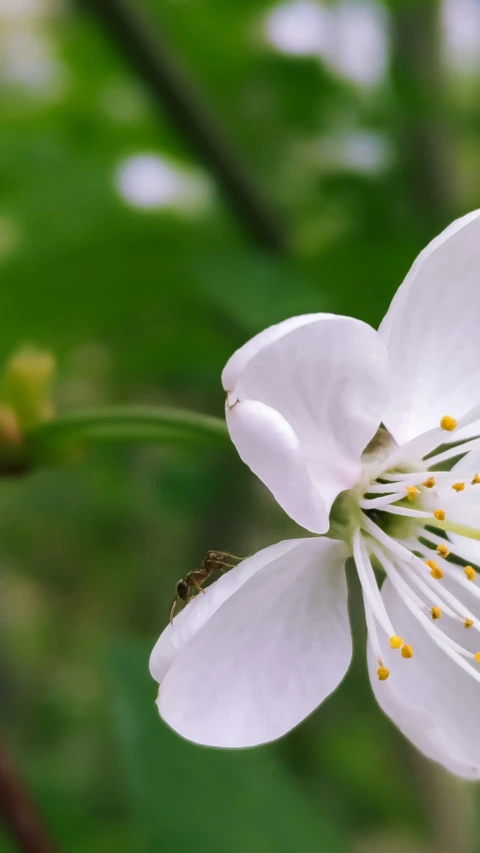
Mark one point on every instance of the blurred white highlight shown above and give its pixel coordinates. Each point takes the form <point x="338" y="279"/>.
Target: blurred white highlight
<point x="17" y="9"/>
<point x="461" y="34"/>
<point x="299" y="27"/>
<point x="351" y="36"/>
<point x="150" y="182"/>
<point x="28" y="57"/>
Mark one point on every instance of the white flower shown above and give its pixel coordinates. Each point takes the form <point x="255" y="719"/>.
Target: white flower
<point x="347" y="427"/>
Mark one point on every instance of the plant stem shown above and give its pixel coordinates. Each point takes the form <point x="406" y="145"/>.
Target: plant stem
<point x="18" y="812"/>
<point x="151" y="56"/>
<point x="152" y="424"/>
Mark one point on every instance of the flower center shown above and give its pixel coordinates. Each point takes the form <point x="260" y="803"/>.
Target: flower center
<point x="412" y="508"/>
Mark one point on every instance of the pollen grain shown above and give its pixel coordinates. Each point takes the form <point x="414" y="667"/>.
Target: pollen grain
<point x="440" y="514"/>
<point x="476" y="480"/>
<point x="436" y="612"/>
<point x="396" y="642"/>
<point x="412" y="492"/>
<point x="458" y="487"/>
<point x="407" y="651"/>
<point x="448" y="423"/>
<point x="443" y="551"/>
<point x="430" y="483"/>
<point x="435" y="569"/>
<point x="470" y="573"/>
<point x="468" y="623"/>
<point x="383" y="672"/>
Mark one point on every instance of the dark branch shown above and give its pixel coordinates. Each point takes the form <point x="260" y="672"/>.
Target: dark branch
<point x="425" y="143"/>
<point x="152" y="59"/>
<point x="18" y="811"/>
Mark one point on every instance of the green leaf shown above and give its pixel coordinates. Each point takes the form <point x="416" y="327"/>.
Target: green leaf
<point x="255" y="290"/>
<point x="191" y="799"/>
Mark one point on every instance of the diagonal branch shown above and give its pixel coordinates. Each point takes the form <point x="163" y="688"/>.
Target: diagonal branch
<point x="153" y="60"/>
<point x="18" y="812"/>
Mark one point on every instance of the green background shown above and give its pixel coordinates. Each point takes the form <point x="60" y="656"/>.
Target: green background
<point x="145" y="306"/>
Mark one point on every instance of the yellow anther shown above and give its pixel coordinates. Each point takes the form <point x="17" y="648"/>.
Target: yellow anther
<point x="470" y="573"/>
<point x="383" y="672"/>
<point x="459" y="487"/>
<point x="440" y="514"/>
<point x="436" y="612"/>
<point x="477" y="657"/>
<point x="435" y="569"/>
<point x="476" y="480"/>
<point x="468" y="623"/>
<point x="430" y="483"/>
<point x="396" y="642"/>
<point x="407" y="651"/>
<point x="443" y="551"/>
<point x="412" y="492"/>
<point x="448" y="423"/>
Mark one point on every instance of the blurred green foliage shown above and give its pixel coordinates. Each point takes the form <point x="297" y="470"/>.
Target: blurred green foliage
<point x="145" y="306"/>
<point x="185" y="797"/>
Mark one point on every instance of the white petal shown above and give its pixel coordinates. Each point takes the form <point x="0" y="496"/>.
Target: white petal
<point x="431" y="331"/>
<point x="189" y="621"/>
<point x="268" y="655"/>
<point x="304" y="399"/>
<point x="432" y="701"/>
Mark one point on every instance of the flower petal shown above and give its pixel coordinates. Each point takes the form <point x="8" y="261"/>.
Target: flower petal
<point x="431" y="331"/>
<point x="189" y="621"/>
<point x="304" y="399"/>
<point x="431" y="700"/>
<point x="268" y="652"/>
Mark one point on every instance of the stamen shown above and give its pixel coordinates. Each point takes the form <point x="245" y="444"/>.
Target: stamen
<point x="435" y="569"/>
<point x="448" y="423"/>
<point x="440" y="514"/>
<point x="436" y="612"/>
<point x="442" y="550"/>
<point x="423" y="445"/>
<point x="407" y="651"/>
<point x="454" y="572"/>
<point x="415" y="478"/>
<point x="468" y="623"/>
<point x="408" y="561"/>
<point x="383" y="488"/>
<point x="369" y="585"/>
<point x="425" y="585"/>
<point x="454" y="651"/>
<point x="380" y="503"/>
<point x="403" y="510"/>
<point x="412" y="492"/>
<point x="396" y="642"/>
<point x="383" y="673"/>
<point x="476" y="480"/>
<point x="430" y="483"/>
<point x="459" y="487"/>
<point x="372" y="629"/>
<point x="458" y="450"/>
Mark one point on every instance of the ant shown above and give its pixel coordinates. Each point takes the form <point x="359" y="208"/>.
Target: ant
<point x="192" y="584"/>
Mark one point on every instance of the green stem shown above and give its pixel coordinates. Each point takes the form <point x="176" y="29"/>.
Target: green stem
<point x="149" y="424"/>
